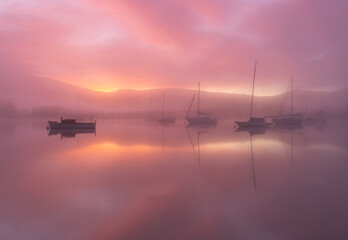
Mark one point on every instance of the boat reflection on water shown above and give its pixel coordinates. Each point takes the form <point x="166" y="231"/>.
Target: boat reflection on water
<point x="70" y="133"/>
<point x="199" y="132"/>
<point x="290" y="129"/>
<point x="165" y="120"/>
<point x="275" y="129"/>
<point x="286" y="128"/>
<point x="253" y="131"/>
<point x="121" y="186"/>
<point x="201" y="125"/>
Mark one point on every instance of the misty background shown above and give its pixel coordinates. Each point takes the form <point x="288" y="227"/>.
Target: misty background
<point x="28" y="96"/>
<point x="54" y="55"/>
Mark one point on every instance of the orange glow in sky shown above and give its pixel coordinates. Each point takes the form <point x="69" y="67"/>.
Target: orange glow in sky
<point x="111" y="45"/>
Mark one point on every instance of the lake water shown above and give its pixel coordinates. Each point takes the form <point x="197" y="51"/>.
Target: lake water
<point x="140" y="180"/>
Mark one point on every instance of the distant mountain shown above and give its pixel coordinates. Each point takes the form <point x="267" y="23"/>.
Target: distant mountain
<point x="43" y="93"/>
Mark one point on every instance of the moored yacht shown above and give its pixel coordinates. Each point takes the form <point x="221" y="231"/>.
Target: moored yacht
<point x="289" y="119"/>
<point x="70" y="124"/>
<point x="201" y="117"/>
<point x="253" y="121"/>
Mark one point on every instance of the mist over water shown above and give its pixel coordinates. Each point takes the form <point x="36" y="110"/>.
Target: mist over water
<point x="141" y="180"/>
<point x="95" y="101"/>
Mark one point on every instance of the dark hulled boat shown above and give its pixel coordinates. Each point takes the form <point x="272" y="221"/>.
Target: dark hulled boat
<point x="70" y="124"/>
<point x="253" y="121"/>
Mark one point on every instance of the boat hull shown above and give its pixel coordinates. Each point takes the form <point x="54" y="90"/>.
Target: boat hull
<point x="57" y="125"/>
<point x="165" y="121"/>
<point x="254" y="122"/>
<point x="288" y="121"/>
<point x="250" y="124"/>
<point x="203" y="121"/>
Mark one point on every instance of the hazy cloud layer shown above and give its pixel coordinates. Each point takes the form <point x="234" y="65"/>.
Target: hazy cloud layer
<point x="112" y="44"/>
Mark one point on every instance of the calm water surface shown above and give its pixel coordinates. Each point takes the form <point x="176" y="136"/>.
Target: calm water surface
<point x="139" y="180"/>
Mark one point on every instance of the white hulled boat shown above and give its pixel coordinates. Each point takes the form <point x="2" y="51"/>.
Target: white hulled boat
<point x="201" y="118"/>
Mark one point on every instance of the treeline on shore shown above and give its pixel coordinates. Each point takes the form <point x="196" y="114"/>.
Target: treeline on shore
<point x="10" y="110"/>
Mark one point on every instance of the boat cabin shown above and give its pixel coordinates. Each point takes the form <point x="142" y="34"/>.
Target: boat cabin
<point x="67" y="121"/>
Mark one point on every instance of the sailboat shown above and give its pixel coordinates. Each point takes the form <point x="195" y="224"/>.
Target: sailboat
<point x="148" y="114"/>
<point x="71" y="123"/>
<point x="165" y="120"/>
<point x="253" y="121"/>
<point x="201" y="118"/>
<point x="289" y="119"/>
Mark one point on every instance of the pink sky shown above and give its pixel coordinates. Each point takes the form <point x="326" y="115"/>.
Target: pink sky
<point x="114" y="44"/>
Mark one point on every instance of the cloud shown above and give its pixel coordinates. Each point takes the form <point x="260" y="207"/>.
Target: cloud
<point x="174" y="43"/>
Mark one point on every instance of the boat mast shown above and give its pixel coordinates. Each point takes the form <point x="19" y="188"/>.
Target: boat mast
<point x="292" y="95"/>
<point x="199" y="92"/>
<point x="252" y="93"/>
<point x="163" y="106"/>
<point x="286" y="94"/>
<point x="150" y="106"/>
<point x="306" y="109"/>
<point x="188" y="111"/>
<point x="78" y="106"/>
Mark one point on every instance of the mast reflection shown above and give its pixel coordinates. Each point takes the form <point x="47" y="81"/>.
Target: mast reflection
<point x="253" y="131"/>
<point x="199" y="132"/>
<point x="288" y="129"/>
